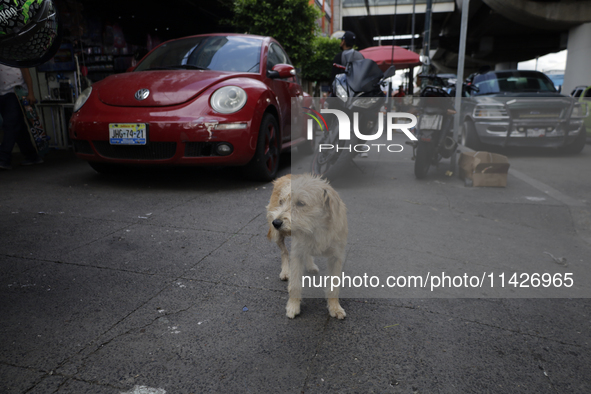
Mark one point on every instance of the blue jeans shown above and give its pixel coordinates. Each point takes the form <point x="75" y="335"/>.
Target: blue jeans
<point x="15" y="130"/>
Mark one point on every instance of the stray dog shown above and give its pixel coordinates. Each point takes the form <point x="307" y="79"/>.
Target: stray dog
<point x="310" y="210"/>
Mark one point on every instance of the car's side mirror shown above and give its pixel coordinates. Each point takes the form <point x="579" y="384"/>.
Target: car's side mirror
<point x="282" y="71"/>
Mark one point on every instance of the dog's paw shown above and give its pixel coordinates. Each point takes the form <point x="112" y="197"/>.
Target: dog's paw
<point x="292" y="309"/>
<point x="313" y="268"/>
<point x="337" y="311"/>
<point x="283" y="275"/>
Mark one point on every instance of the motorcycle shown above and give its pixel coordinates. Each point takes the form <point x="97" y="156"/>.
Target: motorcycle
<point x="434" y="130"/>
<point x="356" y="90"/>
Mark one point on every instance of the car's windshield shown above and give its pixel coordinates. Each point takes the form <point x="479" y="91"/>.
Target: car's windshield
<point x="512" y="82"/>
<point x="220" y="53"/>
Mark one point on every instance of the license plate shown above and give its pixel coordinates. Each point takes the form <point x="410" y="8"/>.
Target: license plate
<point x="536" y="132"/>
<point x="128" y="134"/>
<point x="430" y="122"/>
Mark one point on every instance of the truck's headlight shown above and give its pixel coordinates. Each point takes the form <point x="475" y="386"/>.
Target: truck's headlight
<point x="82" y="99"/>
<point x="580" y="111"/>
<point x="228" y="99"/>
<point x="490" y="111"/>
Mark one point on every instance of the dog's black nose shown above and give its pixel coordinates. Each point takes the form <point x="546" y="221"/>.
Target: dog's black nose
<point x="277" y="223"/>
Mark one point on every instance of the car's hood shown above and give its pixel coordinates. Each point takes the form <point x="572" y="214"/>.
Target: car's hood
<point x="167" y="87"/>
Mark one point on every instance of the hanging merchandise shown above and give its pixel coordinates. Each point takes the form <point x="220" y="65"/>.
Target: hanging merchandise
<point x="29" y="32"/>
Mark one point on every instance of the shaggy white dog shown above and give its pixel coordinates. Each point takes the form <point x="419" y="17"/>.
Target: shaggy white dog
<point x="311" y="211"/>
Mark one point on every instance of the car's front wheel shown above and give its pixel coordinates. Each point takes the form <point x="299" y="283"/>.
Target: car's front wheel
<point x="265" y="163"/>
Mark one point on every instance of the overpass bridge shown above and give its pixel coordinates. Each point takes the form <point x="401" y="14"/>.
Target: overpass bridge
<point x="501" y="33"/>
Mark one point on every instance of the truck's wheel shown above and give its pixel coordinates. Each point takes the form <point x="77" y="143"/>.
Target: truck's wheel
<point x="578" y="144"/>
<point x="469" y="137"/>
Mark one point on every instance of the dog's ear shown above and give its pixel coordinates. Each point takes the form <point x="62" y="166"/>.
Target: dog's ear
<point x="335" y="208"/>
<point x="331" y="203"/>
<point x="326" y="199"/>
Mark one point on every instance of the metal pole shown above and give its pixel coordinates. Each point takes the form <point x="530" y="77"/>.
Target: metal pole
<point x="412" y="48"/>
<point x="427" y="35"/>
<point x="394" y="30"/>
<point x="412" y="38"/>
<point x="460" y="76"/>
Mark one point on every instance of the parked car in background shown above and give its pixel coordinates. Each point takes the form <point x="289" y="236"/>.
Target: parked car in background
<point x="207" y="100"/>
<point x="583" y="93"/>
<point x="578" y="91"/>
<point x="520" y="108"/>
<point x="448" y="79"/>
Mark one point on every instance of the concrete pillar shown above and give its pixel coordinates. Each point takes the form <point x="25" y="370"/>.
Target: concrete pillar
<point x="506" y="66"/>
<point x="578" y="58"/>
<point x="337" y="15"/>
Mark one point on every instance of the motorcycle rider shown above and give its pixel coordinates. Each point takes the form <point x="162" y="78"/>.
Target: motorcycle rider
<point x="347" y="55"/>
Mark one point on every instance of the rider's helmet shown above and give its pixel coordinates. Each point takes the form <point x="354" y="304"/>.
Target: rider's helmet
<point x="29" y="32"/>
<point x="349" y="38"/>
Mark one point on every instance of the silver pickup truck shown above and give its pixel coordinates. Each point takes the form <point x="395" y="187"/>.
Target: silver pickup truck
<point x="520" y="108"/>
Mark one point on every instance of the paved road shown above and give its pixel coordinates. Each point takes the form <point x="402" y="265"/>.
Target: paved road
<point x="163" y="281"/>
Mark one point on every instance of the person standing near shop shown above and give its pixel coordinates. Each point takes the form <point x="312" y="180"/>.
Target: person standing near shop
<point x="14" y="127"/>
<point x="400" y="92"/>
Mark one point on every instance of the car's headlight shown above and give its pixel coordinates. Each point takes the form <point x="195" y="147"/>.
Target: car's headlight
<point x="82" y="99"/>
<point x="228" y="99"/>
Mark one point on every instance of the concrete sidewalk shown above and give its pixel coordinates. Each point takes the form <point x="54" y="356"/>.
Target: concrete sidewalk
<point x="164" y="282"/>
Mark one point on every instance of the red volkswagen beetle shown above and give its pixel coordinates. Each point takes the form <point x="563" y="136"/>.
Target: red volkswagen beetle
<point x="219" y="99"/>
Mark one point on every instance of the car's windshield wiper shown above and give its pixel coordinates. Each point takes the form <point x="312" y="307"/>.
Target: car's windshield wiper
<point x="178" y="66"/>
<point x="253" y="67"/>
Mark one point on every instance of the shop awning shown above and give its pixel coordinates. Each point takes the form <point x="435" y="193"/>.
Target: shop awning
<point x="382" y="55"/>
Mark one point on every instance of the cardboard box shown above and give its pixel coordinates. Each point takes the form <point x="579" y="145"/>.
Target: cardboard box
<point x="484" y="169"/>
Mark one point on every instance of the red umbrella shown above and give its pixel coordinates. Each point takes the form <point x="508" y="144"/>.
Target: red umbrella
<point x="382" y="55"/>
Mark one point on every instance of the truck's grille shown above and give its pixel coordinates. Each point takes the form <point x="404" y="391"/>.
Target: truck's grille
<point x="150" y="151"/>
<point x="536" y="113"/>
